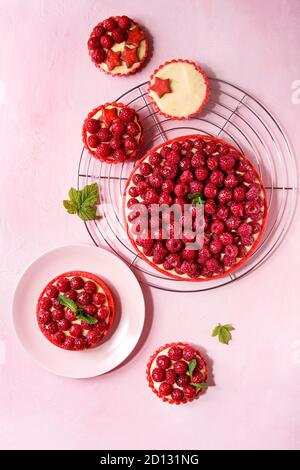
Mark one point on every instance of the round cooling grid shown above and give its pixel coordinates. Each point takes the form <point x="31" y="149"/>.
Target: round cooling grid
<point x="231" y="114"/>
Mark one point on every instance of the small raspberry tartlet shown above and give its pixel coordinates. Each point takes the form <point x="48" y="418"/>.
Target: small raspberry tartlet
<point x="178" y="89"/>
<point x="118" y="46"/>
<point x="112" y="133"/>
<point x="195" y="174"/>
<point x="177" y="373"/>
<point x="75" y="310"/>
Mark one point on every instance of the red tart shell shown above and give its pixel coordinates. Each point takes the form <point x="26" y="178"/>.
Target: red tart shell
<point x="150" y="380"/>
<point x="203" y="104"/>
<point x="174" y="275"/>
<point x="100" y="283"/>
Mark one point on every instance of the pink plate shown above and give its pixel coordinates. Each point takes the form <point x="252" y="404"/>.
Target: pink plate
<point x="129" y="319"/>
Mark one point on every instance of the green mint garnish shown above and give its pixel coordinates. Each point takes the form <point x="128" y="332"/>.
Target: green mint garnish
<point x="192" y="367"/>
<point x="86" y="318"/>
<point x="198" y="386"/>
<point x="223" y="332"/>
<point x="79" y="312"/>
<point x="66" y="302"/>
<point x="83" y="202"/>
<point x="197" y="199"/>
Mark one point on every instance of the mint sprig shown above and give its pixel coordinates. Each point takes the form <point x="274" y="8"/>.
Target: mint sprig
<point x="83" y="202"/>
<point x="223" y="332"/>
<point x="198" y="386"/>
<point x="197" y="199"/>
<point x="192" y="367"/>
<point x="79" y="312"/>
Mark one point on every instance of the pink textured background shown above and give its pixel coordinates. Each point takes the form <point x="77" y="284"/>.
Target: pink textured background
<point x="47" y="85"/>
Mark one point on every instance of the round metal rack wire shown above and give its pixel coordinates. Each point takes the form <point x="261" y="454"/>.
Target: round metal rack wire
<point x="231" y="114"/>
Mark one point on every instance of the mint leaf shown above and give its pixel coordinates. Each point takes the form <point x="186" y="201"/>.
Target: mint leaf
<point x="193" y="195"/>
<point x="198" y="386"/>
<point x="197" y="198"/>
<point x="83" y="202"/>
<point x="229" y="327"/>
<point x="86" y="318"/>
<point x="223" y="332"/>
<point x="192" y="366"/>
<point x="66" y="302"/>
<point x="216" y="330"/>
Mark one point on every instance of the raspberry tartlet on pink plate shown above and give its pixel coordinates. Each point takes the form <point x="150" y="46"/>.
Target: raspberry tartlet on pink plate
<point x="75" y="310"/>
<point x="188" y="172"/>
<point x="178" y="89"/>
<point x="118" y="46"/>
<point x="177" y="373"/>
<point x="112" y="133"/>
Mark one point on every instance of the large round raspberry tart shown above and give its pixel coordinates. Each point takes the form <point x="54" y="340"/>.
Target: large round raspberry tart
<point x="118" y="46"/>
<point x="195" y="173"/>
<point x="177" y="373"/>
<point x="179" y="89"/>
<point x="75" y="310"/>
<point x="112" y="133"/>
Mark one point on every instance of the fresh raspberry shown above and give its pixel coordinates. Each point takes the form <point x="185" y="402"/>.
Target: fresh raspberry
<point x="119" y="156"/>
<point x="104" y="134"/>
<point x="116" y="142"/>
<point x="155" y="181"/>
<point x="51" y="292"/>
<point x="231" y="251"/>
<point x="217" y="227"/>
<point x="198" y="160"/>
<point x="103" y="151"/>
<point x="118" y="127"/>
<point x="92" y="126"/>
<point x="157" y="171"/>
<point x="242" y="251"/>
<point x="256" y="227"/>
<point x="151" y="197"/>
<point x="177" y="395"/>
<point x="189" y="392"/>
<point x="174" y="260"/>
<point x="217" y="177"/>
<point x="124" y="22"/>
<point x="69" y="342"/>
<point x="98" y="298"/>
<point x="196" y="187"/>
<point x="204" y="254"/>
<point x="145" y="169"/>
<point x="132" y="129"/>
<point x="210" y="207"/>
<point x="51" y="327"/>
<point x="175" y="353"/>
<point x="223" y="149"/>
<point x="106" y="41"/>
<point x="63" y="325"/>
<point x="173" y="157"/>
<point x="171" y="376"/>
<point x="231" y="181"/>
<point x="199" y="144"/>
<point x="186" y="177"/>
<point x="250" y="176"/>
<point x="197" y="378"/>
<point x="189" y="254"/>
<point x="84" y="298"/>
<point x="101" y="326"/>
<point x="71" y="294"/>
<point x="99" y="30"/>
<point x="59" y="337"/>
<point x="163" y="361"/>
<point x="76" y="283"/>
<point x="70" y="315"/>
<point x="98" y="55"/>
<point x="132" y="202"/>
<point x="228" y="261"/>
<point x="79" y="343"/>
<point x="226" y="238"/>
<point x="93" y="43"/>
<point x="222" y="212"/>
<point x="110" y="24"/>
<point x="44" y="316"/>
<point x="237" y="209"/>
<point x="189" y="353"/>
<point x="169" y="171"/>
<point x="103" y="312"/>
<point x="225" y="195"/>
<point x="165" y="389"/>
<point x="233" y="222"/>
<point x="227" y="162"/>
<point x="185" y="164"/>
<point x="158" y="375"/>
<point x="165" y="198"/>
<point x="132" y="191"/>
<point x="239" y="194"/>
<point x="212" y="265"/>
<point x="190" y="268"/>
<point x="252" y="208"/>
<point x="86" y="326"/>
<point x="142" y="187"/>
<point x="119" y="35"/>
<point x="75" y="330"/>
<point x="210" y="148"/>
<point x="210" y="190"/>
<point x="91" y="309"/>
<point x="165" y="152"/>
<point x="173" y="245"/>
<point x="183" y="380"/>
<point x="155" y="159"/>
<point x="45" y="303"/>
<point x="187" y="145"/>
<point x="181" y="189"/>
<point x="216" y="246"/>
<point x="57" y="314"/>
<point x="212" y="163"/>
<point x="130" y="143"/>
<point x="90" y="287"/>
<point x="126" y="114"/>
<point x="201" y="173"/>
<point x="244" y="230"/>
<point x="247" y="241"/>
<point x="158" y="249"/>
<point x="253" y="193"/>
<point x="92" y="337"/>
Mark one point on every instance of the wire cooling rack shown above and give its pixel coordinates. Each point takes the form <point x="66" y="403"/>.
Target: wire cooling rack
<point x="231" y="114"/>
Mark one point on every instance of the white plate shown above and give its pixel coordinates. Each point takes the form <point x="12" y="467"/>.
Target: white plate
<point x="129" y="319"/>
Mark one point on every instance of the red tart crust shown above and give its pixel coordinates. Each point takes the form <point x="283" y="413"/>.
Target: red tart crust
<point x="123" y="52"/>
<point x="119" y="134"/>
<point x="170" y="87"/>
<point x="223" y="212"/>
<point x="56" y="321"/>
<point x="200" y="374"/>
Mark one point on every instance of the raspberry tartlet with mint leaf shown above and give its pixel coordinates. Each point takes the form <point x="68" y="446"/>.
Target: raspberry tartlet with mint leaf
<point x="118" y="46"/>
<point x="75" y="311"/>
<point x="112" y="133"/>
<point x="178" y="89"/>
<point x="195" y="173"/>
<point x="177" y="373"/>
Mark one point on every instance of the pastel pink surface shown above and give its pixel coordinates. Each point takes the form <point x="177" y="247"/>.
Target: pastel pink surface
<point x="47" y="85"/>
